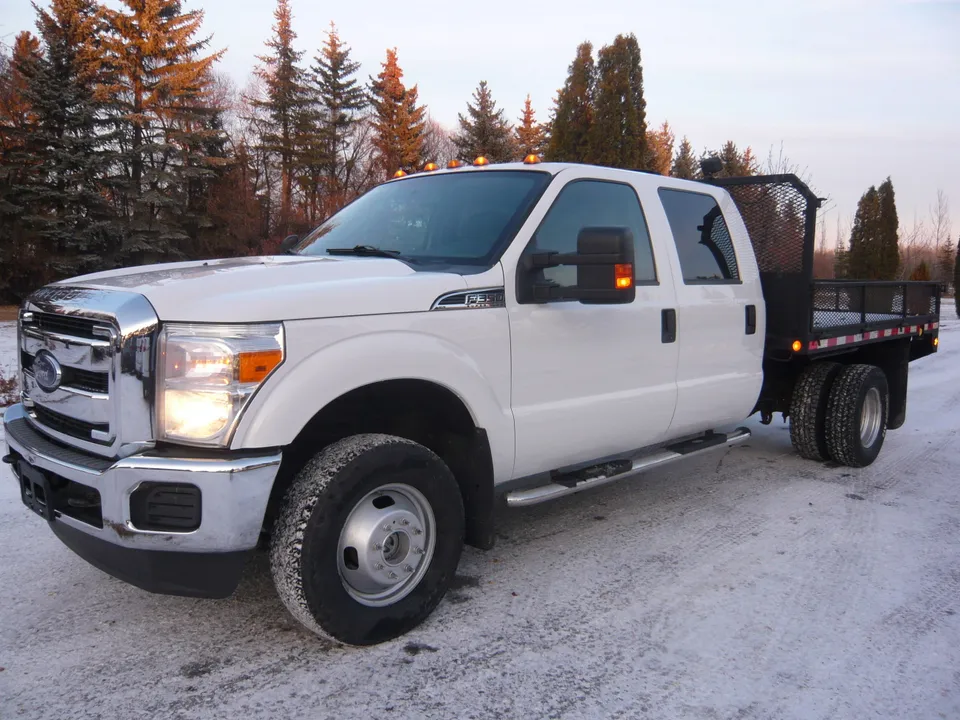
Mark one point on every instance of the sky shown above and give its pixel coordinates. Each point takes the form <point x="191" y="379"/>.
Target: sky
<point x="851" y="90"/>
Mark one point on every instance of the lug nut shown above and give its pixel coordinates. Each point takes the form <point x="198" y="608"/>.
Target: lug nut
<point x="408" y="568"/>
<point x="393" y="576"/>
<point x="404" y="522"/>
<point x="378" y="566"/>
<point x="377" y="546"/>
<point x="417" y="531"/>
<point x="418" y="550"/>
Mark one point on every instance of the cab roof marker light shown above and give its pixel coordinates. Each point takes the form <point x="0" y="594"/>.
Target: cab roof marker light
<point x="430" y="167"/>
<point x="399" y="174"/>
<point x="454" y="164"/>
<point x="531" y="159"/>
<point x="481" y="161"/>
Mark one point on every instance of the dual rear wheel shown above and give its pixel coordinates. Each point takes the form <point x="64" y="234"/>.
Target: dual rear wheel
<point x="839" y="412"/>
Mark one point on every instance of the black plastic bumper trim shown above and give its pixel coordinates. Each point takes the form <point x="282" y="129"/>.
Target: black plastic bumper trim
<point x="202" y="575"/>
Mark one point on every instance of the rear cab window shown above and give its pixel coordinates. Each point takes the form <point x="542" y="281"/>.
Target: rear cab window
<point x="593" y="203"/>
<point x="702" y="238"/>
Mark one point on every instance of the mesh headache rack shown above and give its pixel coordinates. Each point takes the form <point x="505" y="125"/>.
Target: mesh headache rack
<point x="780" y="213"/>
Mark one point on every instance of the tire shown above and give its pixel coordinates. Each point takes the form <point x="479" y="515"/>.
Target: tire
<point x="808" y="410"/>
<point x="346" y="552"/>
<point x="852" y="439"/>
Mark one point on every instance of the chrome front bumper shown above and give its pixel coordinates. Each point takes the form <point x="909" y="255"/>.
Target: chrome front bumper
<point x="234" y="491"/>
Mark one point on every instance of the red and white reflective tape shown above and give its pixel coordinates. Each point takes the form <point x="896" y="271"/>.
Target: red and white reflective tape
<point x="872" y="335"/>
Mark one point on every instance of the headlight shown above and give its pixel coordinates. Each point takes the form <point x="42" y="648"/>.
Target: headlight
<point x="208" y="373"/>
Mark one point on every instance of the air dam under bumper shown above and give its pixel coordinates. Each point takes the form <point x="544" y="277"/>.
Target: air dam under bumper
<point x="205" y="562"/>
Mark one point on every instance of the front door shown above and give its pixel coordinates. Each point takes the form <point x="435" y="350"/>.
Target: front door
<point x="590" y="381"/>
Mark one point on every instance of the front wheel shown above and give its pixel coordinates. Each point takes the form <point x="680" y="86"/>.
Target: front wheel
<point x="368" y="539"/>
<point x="856" y="420"/>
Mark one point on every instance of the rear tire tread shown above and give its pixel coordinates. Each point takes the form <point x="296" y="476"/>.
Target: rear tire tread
<point x="808" y="409"/>
<point x="843" y="415"/>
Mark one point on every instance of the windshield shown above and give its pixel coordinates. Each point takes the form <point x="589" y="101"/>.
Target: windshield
<point x="453" y="218"/>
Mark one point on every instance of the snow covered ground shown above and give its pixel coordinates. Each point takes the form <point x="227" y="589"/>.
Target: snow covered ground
<point x="750" y="584"/>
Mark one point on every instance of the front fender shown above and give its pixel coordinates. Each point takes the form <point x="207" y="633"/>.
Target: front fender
<point x="466" y="353"/>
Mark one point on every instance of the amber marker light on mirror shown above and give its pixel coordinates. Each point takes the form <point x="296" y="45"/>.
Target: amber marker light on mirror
<point x="481" y="161"/>
<point x="624" y="276"/>
<point x="797" y="346"/>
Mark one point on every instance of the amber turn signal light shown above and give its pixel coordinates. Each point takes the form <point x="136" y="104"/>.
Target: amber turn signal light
<point x="936" y="341"/>
<point x="255" y="366"/>
<point x="481" y="161"/>
<point x="624" y="276"/>
<point x="797" y="346"/>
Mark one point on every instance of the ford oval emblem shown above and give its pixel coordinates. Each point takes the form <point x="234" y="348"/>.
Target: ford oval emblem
<point x="47" y="371"/>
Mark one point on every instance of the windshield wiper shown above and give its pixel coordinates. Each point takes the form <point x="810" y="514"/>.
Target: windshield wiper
<point x="364" y="251"/>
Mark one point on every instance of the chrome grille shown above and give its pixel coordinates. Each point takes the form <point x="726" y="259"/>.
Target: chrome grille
<point x="99" y="344"/>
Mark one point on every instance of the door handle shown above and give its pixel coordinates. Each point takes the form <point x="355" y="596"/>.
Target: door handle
<point x="751" y="319"/>
<point x="668" y="325"/>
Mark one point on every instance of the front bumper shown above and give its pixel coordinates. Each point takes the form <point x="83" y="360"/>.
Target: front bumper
<point x="204" y="562"/>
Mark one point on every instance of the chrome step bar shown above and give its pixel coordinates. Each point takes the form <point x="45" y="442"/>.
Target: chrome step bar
<point x="664" y="456"/>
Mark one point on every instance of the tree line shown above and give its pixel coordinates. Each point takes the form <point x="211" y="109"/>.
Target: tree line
<point x="121" y="143"/>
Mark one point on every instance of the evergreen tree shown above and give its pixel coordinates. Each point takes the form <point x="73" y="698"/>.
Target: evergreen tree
<point x="841" y="261"/>
<point x="286" y="103"/>
<point x="685" y="162"/>
<point x="956" y="280"/>
<point x="735" y="163"/>
<point x="341" y="101"/>
<point x="863" y="259"/>
<point x="660" y="144"/>
<point x="166" y="121"/>
<point x="618" y="136"/>
<point x="22" y="261"/>
<point x="399" y="123"/>
<point x="66" y="90"/>
<point x="888" y="233"/>
<point x="573" y="111"/>
<point x="530" y="136"/>
<point x="921" y="272"/>
<point x="484" y="130"/>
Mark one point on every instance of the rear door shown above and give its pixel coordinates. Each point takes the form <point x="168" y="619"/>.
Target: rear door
<point x="719" y="372"/>
<point x="589" y="381"/>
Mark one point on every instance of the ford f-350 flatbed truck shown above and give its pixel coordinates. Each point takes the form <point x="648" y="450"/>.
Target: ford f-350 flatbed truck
<point x="449" y="339"/>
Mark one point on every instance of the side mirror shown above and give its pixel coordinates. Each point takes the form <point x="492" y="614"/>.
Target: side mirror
<point x="605" y="270"/>
<point x="288" y="242"/>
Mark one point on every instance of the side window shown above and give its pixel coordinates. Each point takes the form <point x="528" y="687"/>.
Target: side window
<point x="702" y="238"/>
<point x="593" y="203"/>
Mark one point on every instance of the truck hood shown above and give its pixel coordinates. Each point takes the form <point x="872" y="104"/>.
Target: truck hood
<point x="274" y="288"/>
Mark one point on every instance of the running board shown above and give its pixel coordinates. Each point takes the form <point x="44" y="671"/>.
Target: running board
<point x="572" y="483"/>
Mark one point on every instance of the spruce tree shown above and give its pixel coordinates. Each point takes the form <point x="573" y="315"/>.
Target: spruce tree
<point x="530" y="136"/>
<point x="341" y="100"/>
<point x="286" y="103"/>
<point x="67" y="91"/>
<point x="484" y="130"/>
<point x="888" y="233"/>
<point x="399" y="123"/>
<point x="956" y="280"/>
<point x="685" y="162"/>
<point x="572" y="115"/>
<point x="660" y="144"/>
<point x="22" y="259"/>
<point x="863" y="259"/>
<point x="167" y="120"/>
<point x="618" y="136"/>
<point x="841" y="261"/>
<point x="735" y="163"/>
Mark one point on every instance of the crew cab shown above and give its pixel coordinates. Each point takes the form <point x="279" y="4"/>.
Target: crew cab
<point x="452" y="340"/>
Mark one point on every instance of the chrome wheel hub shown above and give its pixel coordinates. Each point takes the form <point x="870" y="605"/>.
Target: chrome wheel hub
<point x="386" y="545"/>
<point x="871" y="416"/>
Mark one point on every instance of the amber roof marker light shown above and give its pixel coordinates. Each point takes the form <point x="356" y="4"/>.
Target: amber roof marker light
<point x="531" y="159"/>
<point x="454" y="164"/>
<point x="430" y="167"/>
<point x="399" y="174"/>
<point x="481" y="161"/>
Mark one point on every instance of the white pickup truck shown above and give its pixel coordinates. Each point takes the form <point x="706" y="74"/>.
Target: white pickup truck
<point x="363" y="402"/>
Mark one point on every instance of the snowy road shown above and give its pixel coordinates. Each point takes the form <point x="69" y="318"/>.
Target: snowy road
<point x="750" y="584"/>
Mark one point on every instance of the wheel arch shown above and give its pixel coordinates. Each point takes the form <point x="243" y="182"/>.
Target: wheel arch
<point x="423" y="411"/>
